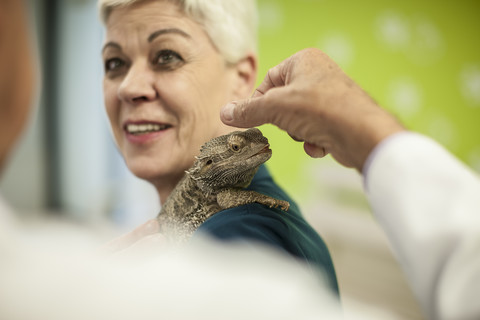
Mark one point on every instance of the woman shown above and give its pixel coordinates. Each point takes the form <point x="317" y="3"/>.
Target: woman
<point x="169" y="68"/>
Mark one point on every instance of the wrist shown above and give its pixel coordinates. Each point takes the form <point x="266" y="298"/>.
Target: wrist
<point x="362" y="128"/>
<point x="378" y="128"/>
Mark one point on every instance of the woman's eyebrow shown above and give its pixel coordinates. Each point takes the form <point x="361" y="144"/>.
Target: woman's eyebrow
<point x="111" y="44"/>
<point x="151" y="37"/>
<point x="169" y="30"/>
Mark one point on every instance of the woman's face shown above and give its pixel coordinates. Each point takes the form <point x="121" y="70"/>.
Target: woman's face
<point x="164" y="85"/>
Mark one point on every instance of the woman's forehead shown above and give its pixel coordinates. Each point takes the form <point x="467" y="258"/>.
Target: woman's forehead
<point x="147" y="17"/>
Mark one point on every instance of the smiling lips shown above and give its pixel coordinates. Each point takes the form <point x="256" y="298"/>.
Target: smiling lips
<point x="144" y="132"/>
<point x="144" y="128"/>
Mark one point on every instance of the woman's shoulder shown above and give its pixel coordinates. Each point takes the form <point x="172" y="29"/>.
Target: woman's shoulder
<point x="284" y="231"/>
<point x="257" y="222"/>
<point x="258" y="216"/>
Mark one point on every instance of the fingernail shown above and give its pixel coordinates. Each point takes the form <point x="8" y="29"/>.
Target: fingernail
<point x="227" y="111"/>
<point x="314" y="151"/>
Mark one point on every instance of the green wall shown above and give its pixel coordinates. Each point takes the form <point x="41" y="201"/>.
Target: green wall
<point x="418" y="59"/>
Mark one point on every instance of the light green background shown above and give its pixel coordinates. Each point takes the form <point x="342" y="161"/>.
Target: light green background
<point x="418" y="59"/>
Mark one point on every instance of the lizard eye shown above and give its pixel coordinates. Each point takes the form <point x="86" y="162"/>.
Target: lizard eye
<point x="235" y="147"/>
<point x="209" y="162"/>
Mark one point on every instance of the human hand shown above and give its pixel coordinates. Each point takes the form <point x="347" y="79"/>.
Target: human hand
<point x="140" y="239"/>
<point x="311" y="98"/>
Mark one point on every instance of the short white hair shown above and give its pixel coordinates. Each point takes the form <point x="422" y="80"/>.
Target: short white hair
<point x="230" y="24"/>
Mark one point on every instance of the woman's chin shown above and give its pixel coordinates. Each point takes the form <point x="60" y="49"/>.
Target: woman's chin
<point x="156" y="174"/>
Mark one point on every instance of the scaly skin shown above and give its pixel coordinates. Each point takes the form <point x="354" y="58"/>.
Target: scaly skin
<point x="216" y="181"/>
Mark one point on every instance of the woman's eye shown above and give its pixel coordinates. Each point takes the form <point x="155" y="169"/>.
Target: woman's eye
<point x="168" y="58"/>
<point x="113" y="64"/>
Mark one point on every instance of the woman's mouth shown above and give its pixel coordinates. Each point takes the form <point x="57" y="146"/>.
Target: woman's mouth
<point x="145" y="132"/>
<point x="145" y="128"/>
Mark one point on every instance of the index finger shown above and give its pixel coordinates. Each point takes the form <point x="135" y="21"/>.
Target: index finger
<point x="275" y="77"/>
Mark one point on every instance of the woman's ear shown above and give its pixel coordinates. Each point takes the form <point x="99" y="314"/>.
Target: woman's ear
<point x="246" y="75"/>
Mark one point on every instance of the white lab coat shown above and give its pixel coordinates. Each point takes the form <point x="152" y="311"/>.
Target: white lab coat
<point x="428" y="203"/>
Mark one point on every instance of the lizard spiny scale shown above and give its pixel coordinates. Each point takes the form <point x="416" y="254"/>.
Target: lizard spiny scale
<point x="215" y="182"/>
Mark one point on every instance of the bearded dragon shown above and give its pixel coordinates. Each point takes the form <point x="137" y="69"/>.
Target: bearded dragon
<point x="216" y="181"/>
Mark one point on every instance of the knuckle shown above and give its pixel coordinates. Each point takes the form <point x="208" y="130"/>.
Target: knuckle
<point x="240" y="111"/>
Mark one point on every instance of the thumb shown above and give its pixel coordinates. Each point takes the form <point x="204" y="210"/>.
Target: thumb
<point x="314" y="151"/>
<point x="246" y="113"/>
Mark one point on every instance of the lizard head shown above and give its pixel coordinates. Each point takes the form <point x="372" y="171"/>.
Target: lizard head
<point x="230" y="160"/>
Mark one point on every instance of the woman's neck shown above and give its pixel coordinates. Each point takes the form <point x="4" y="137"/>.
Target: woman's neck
<point x="165" y="186"/>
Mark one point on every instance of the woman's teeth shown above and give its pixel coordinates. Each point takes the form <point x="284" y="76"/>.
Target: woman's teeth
<point x="145" y="128"/>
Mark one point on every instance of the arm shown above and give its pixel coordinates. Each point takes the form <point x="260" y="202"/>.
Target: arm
<point x="425" y="199"/>
<point x="428" y="203"/>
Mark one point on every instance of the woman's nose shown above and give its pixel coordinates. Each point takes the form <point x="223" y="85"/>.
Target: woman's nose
<point x="138" y="85"/>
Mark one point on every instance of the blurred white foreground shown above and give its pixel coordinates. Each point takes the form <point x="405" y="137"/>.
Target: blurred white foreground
<point x="54" y="271"/>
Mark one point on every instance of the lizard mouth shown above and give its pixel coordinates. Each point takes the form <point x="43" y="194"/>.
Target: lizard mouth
<point x="265" y="151"/>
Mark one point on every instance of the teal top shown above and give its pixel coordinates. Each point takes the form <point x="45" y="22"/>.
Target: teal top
<point x="286" y="231"/>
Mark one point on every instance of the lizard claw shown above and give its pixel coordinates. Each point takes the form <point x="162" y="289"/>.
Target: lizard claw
<point x="284" y="205"/>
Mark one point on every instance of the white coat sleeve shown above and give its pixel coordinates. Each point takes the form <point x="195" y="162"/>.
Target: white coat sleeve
<point x="428" y="203"/>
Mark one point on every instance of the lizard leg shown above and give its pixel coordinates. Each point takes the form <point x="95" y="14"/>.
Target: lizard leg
<point x="229" y="198"/>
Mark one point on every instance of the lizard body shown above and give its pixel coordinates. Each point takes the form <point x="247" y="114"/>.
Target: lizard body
<point x="216" y="181"/>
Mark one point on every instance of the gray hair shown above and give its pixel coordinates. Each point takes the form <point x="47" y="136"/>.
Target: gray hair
<point x="230" y="24"/>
